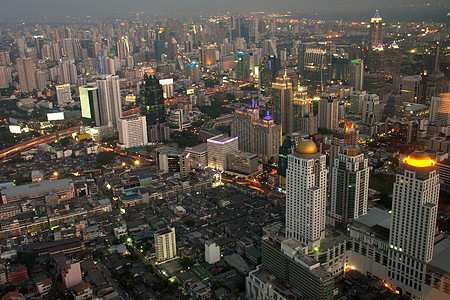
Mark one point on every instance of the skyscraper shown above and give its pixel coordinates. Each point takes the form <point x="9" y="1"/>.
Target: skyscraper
<point x="132" y="131"/>
<point x="303" y="118"/>
<point x="242" y="126"/>
<point x="67" y="72"/>
<point x="328" y="111"/>
<point x="345" y="135"/>
<point x="152" y="100"/>
<point x="376" y="31"/>
<point x="90" y="105"/>
<point x="27" y="74"/>
<point x="306" y="188"/>
<point x="282" y="94"/>
<point x="440" y="109"/>
<point x="208" y="55"/>
<point x="243" y="66"/>
<point x="110" y="102"/>
<point x="266" y="138"/>
<point x="356" y="74"/>
<point x="349" y="186"/>
<point x="370" y="109"/>
<point x="413" y="224"/>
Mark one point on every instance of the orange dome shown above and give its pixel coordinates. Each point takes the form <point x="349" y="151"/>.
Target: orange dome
<point x="419" y="159"/>
<point x="307" y="147"/>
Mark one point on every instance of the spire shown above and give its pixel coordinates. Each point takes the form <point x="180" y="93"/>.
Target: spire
<point x="268" y="117"/>
<point x="285" y="74"/>
<point x="253" y="104"/>
<point x="377" y="15"/>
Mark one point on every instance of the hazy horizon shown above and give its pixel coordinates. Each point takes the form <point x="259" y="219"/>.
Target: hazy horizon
<point x="348" y="9"/>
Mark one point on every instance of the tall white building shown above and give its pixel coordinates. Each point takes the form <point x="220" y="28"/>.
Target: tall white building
<point x="218" y="147"/>
<point x="440" y="109"/>
<point x="63" y="94"/>
<point x="67" y="71"/>
<point x="212" y="252"/>
<point x="413" y="225"/>
<point x="306" y="194"/>
<point x="132" y="131"/>
<point x="165" y="244"/>
<point x="266" y="138"/>
<point x="110" y="102"/>
<point x="356" y="71"/>
<point x="349" y="186"/>
<point x="328" y="111"/>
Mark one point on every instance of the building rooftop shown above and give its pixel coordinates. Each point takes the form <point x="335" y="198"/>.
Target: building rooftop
<point x="36" y="187"/>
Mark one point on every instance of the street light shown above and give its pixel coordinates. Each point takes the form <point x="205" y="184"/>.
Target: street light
<point x="136" y="162"/>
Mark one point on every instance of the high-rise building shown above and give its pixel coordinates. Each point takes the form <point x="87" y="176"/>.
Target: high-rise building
<point x="370" y="109"/>
<point x="306" y="193"/>
<point x="67" y="72"/>
<point x="282" y="95"/>
<point x="212" y="252"/>
<point x="5" y="76"/>
<point x="440" y="110"/>
<point x="152" y="106"/>
<point x="41" y="79"/>
<point x="218" y="148"/>
<point x="123" y="47"/>
<point x="167" y="86"/>
<point x="63" y="94"/>
<point x="209" y="54"/>
<point x="349" y="188"/>
<point x="412" y="89"/>
<point x="356" y="74"/>
<point x="110" y="102"/>
<point x="328" y="111"/>
<point x="303" y="118"/>
<point x="376" y="31"/>
<point x="165" y="244"/>
<point x="266" y="138"/>
<point x="243" y="163"/>
<point x="4" y="58"/>
<point x="242" y="126"/>
<point x="345" y="134"/>
<point x="132" y="131"/>
<point x="192" y="72"/>
<point x="90" y="105"/>
<point x="243" y="66"/>
<point x="413" y="224"/>
<point x="27" y="74"/>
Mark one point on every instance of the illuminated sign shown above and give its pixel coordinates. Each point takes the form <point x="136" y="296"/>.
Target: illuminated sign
<point x="15" y="129"/>
<point x="166" y="81"/>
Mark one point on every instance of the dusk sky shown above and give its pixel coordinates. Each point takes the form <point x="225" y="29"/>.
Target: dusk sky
<point x="39" y="8"/>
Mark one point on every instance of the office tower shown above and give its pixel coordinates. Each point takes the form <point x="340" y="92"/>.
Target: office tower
<point x="303" y="118"/>
<point x="132" y="131"/>
<point x="436" y="83"/>
<point x="283" y="154"/>
<point x="175" y="119"/>
<point x="266" y="138"/>
<point x="90" y="105"/>
<point x="413" y="224"/>
<point x="41" y="79"/>
<point x="374" y="83"/>
<point x="370" y="109"/>
<point x="38" y="42"/>
<point x="5" y="77"/>
<point x="160" y="49"/>
<point x="208" y="55"/>
<point x="218" y="147"/>
<point x="4" y="58"/>
<point x="192" y="72"/>
<point x="152" y="105"/>
<point x="345" y="134"/>
<point x="376" y="31"/>
<point x="243" y="66"/>
<point x="356" y="100"/>
<point x="27" y="74"/>
<point x="356" y="74"/>
<point x="110" y="102"/>
<point x="67" y="72"/>
<point x="411" y="89"/>
<point x="108" y="65"/>
<point x="328" y="111"/>
<point x="243" y="163"/>
<point x="349" y="188"/>
<point x="68" y="48"/>
<point x="440" y="110"/>
<point x="167" y="86"/>
<point x="165" y="244"/>
<point x="282" y="94"/>
<point x="306" y="195"/>
<point x="270" y="48"/>
<point x="242" y="126"/>
<point x="174" y="161"/>
<point x="63" y="94"/>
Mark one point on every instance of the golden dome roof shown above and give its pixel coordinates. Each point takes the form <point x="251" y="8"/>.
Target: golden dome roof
<point x="419" y="159"/>
<point x="307" y="147"/>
